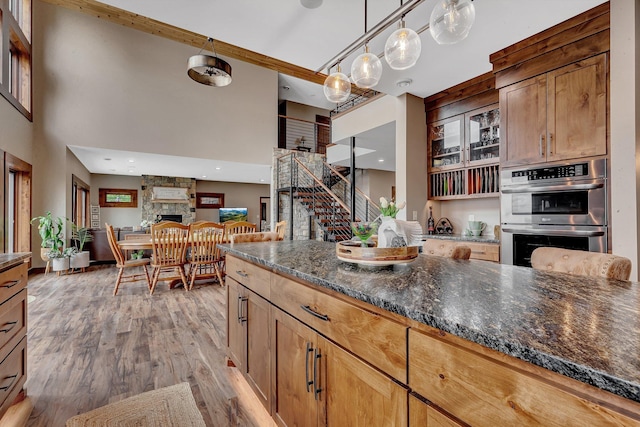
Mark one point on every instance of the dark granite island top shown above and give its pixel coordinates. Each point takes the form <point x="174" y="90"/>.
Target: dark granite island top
<point x="587" y="329"/>
<point x="10" y="260"/>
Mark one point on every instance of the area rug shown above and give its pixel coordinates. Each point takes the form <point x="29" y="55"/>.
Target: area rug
<point x="169" y="406"/>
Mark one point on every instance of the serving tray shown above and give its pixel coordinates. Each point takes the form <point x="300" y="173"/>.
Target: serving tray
<point x="351" y="251"/>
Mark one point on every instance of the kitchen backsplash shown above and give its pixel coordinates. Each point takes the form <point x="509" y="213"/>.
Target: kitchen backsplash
<point x="458" y="211"/>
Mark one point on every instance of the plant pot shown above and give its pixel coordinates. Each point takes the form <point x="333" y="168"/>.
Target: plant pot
<point x="79" y="260"/>
<point x="60" y="264"/>
<point x="44" y="253"/>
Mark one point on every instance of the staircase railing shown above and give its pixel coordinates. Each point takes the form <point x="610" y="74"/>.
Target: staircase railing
<point x="324" y="207"/>
<point x="365" y="208"/>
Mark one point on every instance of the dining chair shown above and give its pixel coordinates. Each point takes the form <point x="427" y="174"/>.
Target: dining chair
<point x="581" y="263"/>
<point x="122" y="263"/>
<point x="260" y="236"/>
<point x="169" y="242"/>
<point x="446" y="248"/>
<point x="281" y="229"/>
<point x="231" y="228"/>
<point x="204" y="256"/>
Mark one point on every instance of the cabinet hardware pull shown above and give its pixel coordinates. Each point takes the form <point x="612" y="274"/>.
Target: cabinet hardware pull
<point x="13" y="379"/>
<point x="315" y="313"/>
<point x="550" y="144"/>
<point x="316" y="357"/>
<point x="306" y="366"/>
<point x="242" y="273"/>
<point x="541" y="146"/>
<point x="9" y="326"/>
<point x="10" y="284"/>
<point x="243" y="313"/>
<point x="479" y="252"/>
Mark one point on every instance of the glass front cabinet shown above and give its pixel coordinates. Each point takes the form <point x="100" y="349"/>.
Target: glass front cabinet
<point x="464" y="155"/>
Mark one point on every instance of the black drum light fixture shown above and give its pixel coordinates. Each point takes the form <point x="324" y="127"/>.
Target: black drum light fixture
<point x="209" y="70"/>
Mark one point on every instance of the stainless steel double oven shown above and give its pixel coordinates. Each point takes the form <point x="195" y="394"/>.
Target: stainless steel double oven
<point x="562" y="205"/>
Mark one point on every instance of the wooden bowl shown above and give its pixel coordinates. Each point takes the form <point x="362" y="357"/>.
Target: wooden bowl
<point x="351" y="251"/>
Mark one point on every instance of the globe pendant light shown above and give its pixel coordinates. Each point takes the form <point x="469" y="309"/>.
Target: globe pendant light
<point x="451" y="20"/>
<point x="402" y="49"/>
<point x="337" y="86"/>
<point x="366" y="70"/>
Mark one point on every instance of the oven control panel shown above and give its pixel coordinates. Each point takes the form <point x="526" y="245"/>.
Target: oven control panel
<point x="553" y="172"/>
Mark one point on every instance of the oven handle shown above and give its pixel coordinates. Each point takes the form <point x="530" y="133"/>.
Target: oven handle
<point x="584" y="233"/>
<point x="563" y="187"/>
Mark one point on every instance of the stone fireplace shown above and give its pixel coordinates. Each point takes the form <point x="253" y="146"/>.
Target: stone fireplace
<point x="173" y="204"/>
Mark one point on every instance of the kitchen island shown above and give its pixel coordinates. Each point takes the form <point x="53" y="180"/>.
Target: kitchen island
<point x="586" y="330"/>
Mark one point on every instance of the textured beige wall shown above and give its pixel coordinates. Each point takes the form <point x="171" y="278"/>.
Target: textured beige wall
<point x="15" y="132"/>
<point x="236" y="195"/>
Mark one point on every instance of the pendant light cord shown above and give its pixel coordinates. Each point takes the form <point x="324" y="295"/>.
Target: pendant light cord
<point x="213" y="48"/>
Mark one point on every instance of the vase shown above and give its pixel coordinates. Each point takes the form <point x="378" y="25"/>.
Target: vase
<point x="387" y="218"/>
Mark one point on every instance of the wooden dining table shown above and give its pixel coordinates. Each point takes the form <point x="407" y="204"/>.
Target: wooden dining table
<point x="146" y="244"/>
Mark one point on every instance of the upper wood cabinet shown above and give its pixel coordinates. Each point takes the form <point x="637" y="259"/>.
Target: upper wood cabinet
<point x="556" y="116"/>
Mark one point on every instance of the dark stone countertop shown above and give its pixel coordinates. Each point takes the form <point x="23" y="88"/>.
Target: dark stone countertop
<point x="462" y="238"/>
<point x="10" y="260"/>
<point x="585" y="328"/>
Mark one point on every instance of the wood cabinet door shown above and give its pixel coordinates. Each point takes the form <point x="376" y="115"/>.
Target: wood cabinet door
<point x="577" y="110"/>
<point x="523" y="122"/>
<point x="423" y="415"/>
<point x="236" y="332"/>
<point x="355" y="394"/>
<point x="294" y="402"/>
<point x="258" y="360"/>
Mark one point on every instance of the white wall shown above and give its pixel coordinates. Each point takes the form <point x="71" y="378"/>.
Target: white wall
<point x="379" y="184"/>
<point x="625" y="135"/>
<point x="15" y="132"/>
<point x="236" y="195"/>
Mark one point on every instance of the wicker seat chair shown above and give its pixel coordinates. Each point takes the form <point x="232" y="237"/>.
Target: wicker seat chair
<point x="122" y="263"/>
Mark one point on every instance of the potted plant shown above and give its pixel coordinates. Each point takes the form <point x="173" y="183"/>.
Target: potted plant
<point x="80" y="236"/>
<point x="137" y="254"/>
<point x="51" y="232"/>
<point x="60" y="258"/>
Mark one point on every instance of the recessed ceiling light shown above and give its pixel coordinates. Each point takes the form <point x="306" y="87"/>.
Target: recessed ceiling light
<point x="130" y="171"/>
<point x="107" y="159"/>
<point x="381" y="160"/>
<point x="404" y="83"/>
<point x="262" y="180"/>
<point x="204" y="176"/>
<point x="131" y="160"/>
<point x="112" y="170"/>
<point x="311" y="4"/>
<point x="218" y="168"/>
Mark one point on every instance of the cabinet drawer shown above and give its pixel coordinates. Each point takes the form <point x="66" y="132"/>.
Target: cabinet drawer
<point x="484" y="251"/>
<point x="13" y="371"/>
<point x="12" y="281"/>
<point x="250" y="275"/>
<point x="13" y="317"/>
<point x="375" y="339"/>
<point x="483" y="392"/>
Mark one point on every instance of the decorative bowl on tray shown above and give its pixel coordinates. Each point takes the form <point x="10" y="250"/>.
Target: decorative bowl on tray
<point x="352" y="251"/>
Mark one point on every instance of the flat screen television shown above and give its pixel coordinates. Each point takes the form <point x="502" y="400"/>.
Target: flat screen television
<point x="233" y="214"/>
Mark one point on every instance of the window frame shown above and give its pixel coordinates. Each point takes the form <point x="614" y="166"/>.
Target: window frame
<point x="23" y="201"/>
<point x="80" y="214"/>
<point x="102" y="198"/>
<point x="16" y="55"/>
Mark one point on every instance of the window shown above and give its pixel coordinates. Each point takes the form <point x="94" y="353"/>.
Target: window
<point x="80" y="202"/>
<point x="118" y="198"/>
<point x="15" y="39"/>
<point x="18" y="204"/>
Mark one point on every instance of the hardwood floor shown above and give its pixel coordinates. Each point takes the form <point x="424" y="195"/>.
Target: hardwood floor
<point x="87" y="348"/>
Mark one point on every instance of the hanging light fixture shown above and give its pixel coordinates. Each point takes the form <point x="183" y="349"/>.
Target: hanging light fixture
<point x="366" y="69"/>
<point x="337" y="86"/>
<point x="402" y="48"/>
<point x="451" y="20"/>
<point x="209" y="70"/>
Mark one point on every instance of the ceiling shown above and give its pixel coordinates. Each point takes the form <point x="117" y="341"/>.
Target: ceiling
<point x="289" y="32"/>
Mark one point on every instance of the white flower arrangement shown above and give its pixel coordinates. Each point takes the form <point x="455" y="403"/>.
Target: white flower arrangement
<point x="145" y="223"/>
<point x="390" y="208"/>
